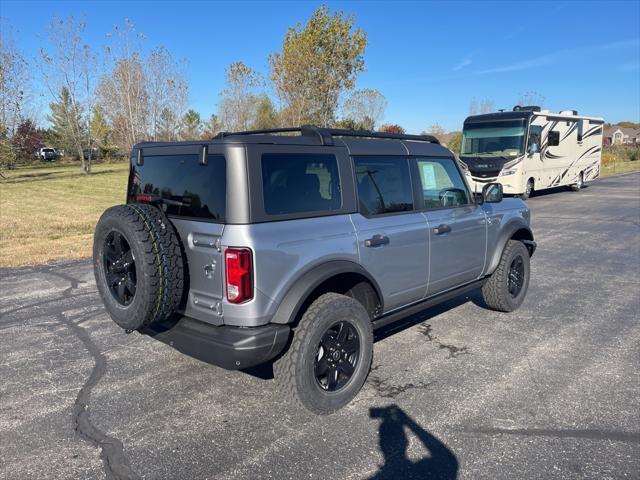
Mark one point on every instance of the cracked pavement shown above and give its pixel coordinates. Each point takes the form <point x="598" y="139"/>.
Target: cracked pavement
<point x="457" y="391"/>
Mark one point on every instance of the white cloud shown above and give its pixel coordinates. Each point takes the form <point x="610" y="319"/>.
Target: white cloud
<point x="465" y="62"/>
<point x="559" y="55"/>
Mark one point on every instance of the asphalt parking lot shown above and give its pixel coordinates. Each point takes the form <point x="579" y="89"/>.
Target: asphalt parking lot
<point x="549" y="391"/>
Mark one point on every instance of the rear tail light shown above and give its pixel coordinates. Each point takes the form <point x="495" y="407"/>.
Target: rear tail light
<point x="239" y="266"/>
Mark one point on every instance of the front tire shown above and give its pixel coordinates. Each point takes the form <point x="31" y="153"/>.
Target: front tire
<point x="507" y="287"/>
<point x="528" y="190"/>
<point x="329" y="357"/>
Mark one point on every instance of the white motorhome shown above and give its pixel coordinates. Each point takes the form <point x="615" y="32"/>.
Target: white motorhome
<point x="530" y="149"/>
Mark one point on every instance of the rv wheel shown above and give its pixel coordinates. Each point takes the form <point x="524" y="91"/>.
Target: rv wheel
<point x="578" y="185"/>
<point x="528" y="189"/>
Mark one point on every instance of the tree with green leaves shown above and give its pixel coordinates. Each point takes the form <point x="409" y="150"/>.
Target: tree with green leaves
<point x="65" y="121"/>
<point x="101" y="132"/>
<point x="211" y="127"/>
<point x="455" y="142"/>
<point x="317" y="63"/>
<point x="266" y="114"/>
<point x="191" y="125"/>
<point x="350" y="124"/>
<point x="366" y="107"/>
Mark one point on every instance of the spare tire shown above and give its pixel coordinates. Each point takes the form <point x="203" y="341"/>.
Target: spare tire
<point x="138" y="265"/>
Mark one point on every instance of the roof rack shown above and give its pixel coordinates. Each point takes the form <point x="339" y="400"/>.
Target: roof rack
<point x="325" y="135"/>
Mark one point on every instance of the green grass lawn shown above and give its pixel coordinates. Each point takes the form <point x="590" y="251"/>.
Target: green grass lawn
<point x="49" y="213"/>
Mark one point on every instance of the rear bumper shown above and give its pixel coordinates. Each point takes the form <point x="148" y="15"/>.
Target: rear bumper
<point x="228" y="347"/>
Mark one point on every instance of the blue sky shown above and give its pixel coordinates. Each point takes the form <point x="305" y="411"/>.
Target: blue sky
<point x="428" y="58"/>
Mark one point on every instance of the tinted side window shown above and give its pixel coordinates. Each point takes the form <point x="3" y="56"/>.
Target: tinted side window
<point x="384" y="185"/>
<point x="187" y="188"/>
<point x="580" y="129"/>
<point x="442" y="184"/>
<point x="299" y="183"/>
<point x="554" y="138"/>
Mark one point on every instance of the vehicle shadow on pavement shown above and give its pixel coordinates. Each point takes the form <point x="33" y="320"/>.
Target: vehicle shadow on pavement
<point x="394" y="443"/>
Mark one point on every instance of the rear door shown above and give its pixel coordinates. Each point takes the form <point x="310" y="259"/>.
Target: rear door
<point x="457" y="226"/>
<point x="192" y="192"/>
<point x="392" y="234"/>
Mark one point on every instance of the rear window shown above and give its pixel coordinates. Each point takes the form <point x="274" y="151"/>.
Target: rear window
<point x="300" y="183"/>
<point x="187" y="188"/>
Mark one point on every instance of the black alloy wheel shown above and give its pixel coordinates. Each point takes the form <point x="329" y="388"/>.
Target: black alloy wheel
<point x="337" y="356"/>
<point x="119" y="267"/>
<point x="516" y="276"/>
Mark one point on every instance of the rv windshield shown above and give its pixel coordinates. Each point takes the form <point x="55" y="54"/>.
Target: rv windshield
<point x="495" y="140"/>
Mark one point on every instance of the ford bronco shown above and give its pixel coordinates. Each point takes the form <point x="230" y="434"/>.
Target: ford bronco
<point x="293" y="245"/>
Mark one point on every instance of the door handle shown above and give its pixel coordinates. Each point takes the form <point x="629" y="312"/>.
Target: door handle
<point x="376" y="241"/>
<point x="441" y="229"/>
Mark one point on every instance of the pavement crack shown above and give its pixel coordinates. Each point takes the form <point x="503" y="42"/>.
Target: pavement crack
<point x="385" y="389"/>
<point x="115" y="463"/>
<point x="426" y="330"/>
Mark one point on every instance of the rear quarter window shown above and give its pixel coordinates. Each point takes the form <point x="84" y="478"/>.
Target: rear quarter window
<point x="184" y="187"/>
<point x="300" y="183"/>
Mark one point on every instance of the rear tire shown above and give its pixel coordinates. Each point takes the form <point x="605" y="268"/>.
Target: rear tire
<point x="507" y="287"/>
<point x="329" y="357"/>
<point x="138" y="265"/>
<point x="576" y="187"/>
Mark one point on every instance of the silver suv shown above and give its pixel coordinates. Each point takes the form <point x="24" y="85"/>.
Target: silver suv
<point x="292" y="246"/>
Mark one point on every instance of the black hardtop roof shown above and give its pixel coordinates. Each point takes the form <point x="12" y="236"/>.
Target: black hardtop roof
<point x="358" y="142"/>
<point x="499" y="116"/>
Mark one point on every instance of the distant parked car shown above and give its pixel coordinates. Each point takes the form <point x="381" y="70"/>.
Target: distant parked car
<point x="47" y="154"/>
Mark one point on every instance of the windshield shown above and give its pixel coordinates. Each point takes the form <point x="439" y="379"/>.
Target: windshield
<point x="504" y="140"/>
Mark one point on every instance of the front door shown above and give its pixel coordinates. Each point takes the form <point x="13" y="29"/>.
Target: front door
<point x="457" y="226"/>
<point x="392" y="235"/>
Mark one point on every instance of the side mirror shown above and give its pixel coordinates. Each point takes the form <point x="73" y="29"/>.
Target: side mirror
<point x="534" y="148"/>
<point x="492" y="193"/>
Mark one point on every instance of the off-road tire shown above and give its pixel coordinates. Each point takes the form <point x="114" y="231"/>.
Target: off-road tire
<point x="158" y="263"/>
<point x="495" y="291"/>
<point x="294" y="371"/>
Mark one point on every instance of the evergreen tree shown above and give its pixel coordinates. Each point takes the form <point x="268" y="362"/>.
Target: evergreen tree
<point x="61" y="119"/>
<point x="191" y="125"/>
<point x="266" y="115"/>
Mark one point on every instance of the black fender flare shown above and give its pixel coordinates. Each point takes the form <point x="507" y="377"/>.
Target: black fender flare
<point x="303" y="286"/>
<point x="521" y="231"/>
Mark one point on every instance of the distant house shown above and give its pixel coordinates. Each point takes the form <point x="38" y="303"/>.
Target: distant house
<point x="615" y="135"/>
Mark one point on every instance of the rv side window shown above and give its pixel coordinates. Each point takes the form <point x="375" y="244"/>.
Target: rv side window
<point x="535" y="132"/>
<point x="554" y="138"/>
<point x="580" y="129"/>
